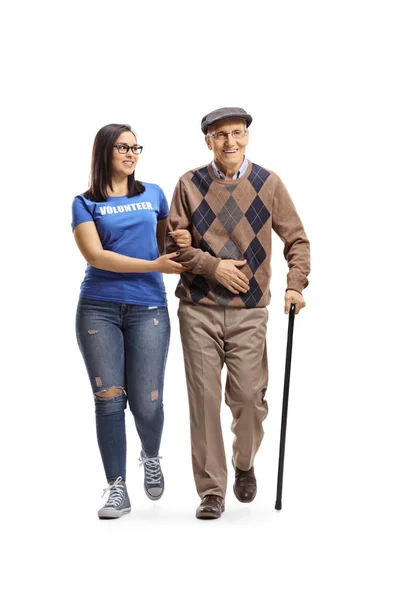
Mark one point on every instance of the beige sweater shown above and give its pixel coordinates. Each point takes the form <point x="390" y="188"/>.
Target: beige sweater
<point x="234" y="219"/>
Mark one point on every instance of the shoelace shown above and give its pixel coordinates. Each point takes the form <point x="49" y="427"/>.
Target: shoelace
<point x="246" y="477"/>
<point x="117" y="491"/>
<point x="206" y="499"/>
<point x="151" y="468"/>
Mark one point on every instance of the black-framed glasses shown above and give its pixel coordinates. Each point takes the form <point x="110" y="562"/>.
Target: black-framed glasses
<point x="237" y="134"/>
<point x="123" y="148"/>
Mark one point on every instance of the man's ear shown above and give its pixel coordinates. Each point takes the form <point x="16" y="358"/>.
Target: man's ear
<point x="208" y="142"/>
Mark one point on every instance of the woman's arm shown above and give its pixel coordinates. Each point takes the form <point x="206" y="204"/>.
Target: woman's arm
<point x="89" y="243"/>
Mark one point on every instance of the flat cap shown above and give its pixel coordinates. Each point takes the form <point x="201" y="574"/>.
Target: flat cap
<point x="222" y="114"/>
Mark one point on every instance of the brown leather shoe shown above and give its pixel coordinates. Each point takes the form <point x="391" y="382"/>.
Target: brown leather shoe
<point x="211" y="507"/>
<point x="245" y="486"/>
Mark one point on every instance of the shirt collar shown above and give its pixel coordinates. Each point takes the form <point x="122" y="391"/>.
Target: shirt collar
<point x="239" y="173"/>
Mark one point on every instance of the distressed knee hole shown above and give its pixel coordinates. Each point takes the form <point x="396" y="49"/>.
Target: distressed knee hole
<point x="111" y="393"/>
<point x="154" y="395"/>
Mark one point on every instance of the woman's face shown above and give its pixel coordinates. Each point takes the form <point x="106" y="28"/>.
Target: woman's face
<point x="124" y="164"/>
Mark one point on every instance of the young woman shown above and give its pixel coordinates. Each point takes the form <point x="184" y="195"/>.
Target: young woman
<point x="122" y="319"/>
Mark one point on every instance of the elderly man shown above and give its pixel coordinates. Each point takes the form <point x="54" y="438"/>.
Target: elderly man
<point x="230" y="208"/>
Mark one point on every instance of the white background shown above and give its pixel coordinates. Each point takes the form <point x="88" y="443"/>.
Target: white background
<point x="321" y="81"/>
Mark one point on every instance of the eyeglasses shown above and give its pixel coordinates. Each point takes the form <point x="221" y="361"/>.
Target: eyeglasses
<point x="237" y="134"/>
<point x="123" y="148"/>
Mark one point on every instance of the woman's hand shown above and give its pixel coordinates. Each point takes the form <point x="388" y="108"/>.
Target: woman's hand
<point x="182" y="238"/>
<point x="166" y="264"/>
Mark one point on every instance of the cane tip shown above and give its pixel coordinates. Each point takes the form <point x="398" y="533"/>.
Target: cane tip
<point x="278" y="505"/>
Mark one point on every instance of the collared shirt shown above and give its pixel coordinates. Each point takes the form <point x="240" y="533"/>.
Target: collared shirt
<point x="241" y="171"/>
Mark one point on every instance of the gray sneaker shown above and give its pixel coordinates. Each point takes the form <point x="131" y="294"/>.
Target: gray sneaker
<point x="153" y="477"/>
<point x="118" y="501"/>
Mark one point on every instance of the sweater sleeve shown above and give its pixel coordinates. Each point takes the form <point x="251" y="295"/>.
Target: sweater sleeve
<point x="194" y="259"/>
<point x="287" y="224"/>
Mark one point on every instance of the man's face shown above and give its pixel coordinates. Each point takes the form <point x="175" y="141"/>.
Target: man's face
<point x="228" y="149"/>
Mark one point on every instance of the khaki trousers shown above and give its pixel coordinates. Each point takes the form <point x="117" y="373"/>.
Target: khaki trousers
<point x="212" y="336"/>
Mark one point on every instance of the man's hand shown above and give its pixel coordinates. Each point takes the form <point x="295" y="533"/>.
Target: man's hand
<point x="181" y="237"/>
<point x="292" y="297"/>
<point x="229" y="275"/>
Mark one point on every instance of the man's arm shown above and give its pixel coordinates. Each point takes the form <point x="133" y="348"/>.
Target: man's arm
<point x="182" y="237"/>
<point x="196" y="260"/>
<point x="287" y="224"/>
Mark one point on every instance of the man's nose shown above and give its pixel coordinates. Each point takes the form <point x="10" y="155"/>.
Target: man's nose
<point x="229" y="140"/>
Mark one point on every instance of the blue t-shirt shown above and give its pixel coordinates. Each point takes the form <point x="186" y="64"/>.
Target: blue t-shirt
<point x="126" y="226"/>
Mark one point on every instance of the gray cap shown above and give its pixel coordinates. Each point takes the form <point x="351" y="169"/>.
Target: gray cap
<point x="221" y="114"/>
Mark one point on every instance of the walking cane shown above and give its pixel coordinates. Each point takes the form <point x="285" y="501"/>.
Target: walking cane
<point x="278" y="503"/>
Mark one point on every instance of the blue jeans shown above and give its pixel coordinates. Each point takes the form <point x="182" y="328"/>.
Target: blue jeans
<point x="124" y="346"/>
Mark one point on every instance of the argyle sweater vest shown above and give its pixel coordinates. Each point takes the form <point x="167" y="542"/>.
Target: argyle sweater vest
<point x="234" y="219"/>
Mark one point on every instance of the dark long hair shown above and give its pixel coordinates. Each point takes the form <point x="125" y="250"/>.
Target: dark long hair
<point x="101" y="168"/>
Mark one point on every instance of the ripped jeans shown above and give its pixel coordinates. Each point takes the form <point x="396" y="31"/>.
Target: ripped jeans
<point x="124" y="346"/>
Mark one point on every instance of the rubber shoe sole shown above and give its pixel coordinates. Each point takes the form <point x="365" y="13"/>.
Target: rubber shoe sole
<point x="210" y="515"/>
<point x="113" y="513"/>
